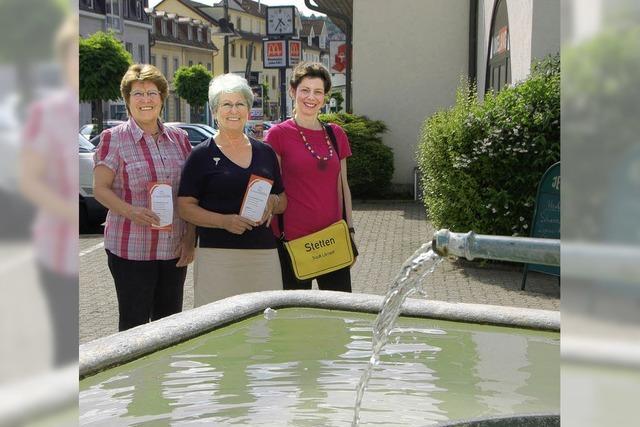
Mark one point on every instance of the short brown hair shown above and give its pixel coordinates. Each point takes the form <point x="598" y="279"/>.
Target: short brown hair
<point x="143" y="73"/>
<point x="310" y="69"/>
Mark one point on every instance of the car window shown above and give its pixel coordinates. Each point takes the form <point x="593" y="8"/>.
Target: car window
<point x="84" y="145"/>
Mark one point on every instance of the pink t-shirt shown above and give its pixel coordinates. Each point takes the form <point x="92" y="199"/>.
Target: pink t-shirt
<point x="312" y="192"/>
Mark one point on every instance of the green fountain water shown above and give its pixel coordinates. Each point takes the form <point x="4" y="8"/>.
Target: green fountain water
<point x="301" y="367"/>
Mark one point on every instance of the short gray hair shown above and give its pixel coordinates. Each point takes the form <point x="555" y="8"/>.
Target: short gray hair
<point x="228" y="83"/>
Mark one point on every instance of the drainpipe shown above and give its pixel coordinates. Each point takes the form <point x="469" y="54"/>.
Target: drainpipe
<point x="473" y="41"/>
<point x="347" y="20"/>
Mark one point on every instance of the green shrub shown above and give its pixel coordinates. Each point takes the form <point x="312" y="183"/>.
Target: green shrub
<point x="370" y="168"/>
<point x="481" y="163"/>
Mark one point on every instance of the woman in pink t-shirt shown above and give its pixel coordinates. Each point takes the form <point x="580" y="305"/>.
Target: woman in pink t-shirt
<point x="313" y="172"/>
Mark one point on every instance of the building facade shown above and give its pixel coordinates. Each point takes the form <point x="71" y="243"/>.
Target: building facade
<point x="182" y="39"/>
<point x="130" y="24"/>
<point x="409" y="57"/>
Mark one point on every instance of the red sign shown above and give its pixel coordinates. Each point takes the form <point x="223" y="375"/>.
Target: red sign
<point x="274" y="53"/>
<point x="295" y="52"/>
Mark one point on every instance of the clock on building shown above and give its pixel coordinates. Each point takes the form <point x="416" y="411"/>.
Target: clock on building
<point x="280" y="20"/>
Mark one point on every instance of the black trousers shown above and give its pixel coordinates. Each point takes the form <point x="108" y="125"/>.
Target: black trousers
<point x="339" y="280"/>
<point x="62" y="298"/>
<point x="147" y="290"/>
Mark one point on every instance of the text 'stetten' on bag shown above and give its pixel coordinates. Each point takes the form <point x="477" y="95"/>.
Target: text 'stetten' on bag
<point x="322" y="252"/>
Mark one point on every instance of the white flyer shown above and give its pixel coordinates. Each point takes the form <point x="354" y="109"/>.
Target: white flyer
<point x="255" y="198"/>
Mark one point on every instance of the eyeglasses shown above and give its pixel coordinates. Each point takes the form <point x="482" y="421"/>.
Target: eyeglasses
<point x="227" y="106"/>
<point x="153" y="94"/>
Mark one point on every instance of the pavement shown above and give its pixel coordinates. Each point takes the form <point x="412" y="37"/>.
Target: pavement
<point x="387" y="233"/>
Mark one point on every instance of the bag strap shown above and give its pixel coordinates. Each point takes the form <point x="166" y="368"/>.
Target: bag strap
<point x="334" y="142"/>
<point x="332" y="136"/>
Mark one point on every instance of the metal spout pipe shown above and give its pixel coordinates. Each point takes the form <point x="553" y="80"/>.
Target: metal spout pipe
<point x="502" y="248"/>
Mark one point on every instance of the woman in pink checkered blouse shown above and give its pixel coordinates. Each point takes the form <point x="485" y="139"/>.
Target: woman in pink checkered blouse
<point x="148" y="263"/>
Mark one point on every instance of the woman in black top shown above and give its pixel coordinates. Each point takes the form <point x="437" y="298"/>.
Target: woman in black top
<point x="235" y="254"/>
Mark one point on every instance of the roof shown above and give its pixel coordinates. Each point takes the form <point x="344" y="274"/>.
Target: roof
<point x="254" y="8"/>
<point x="333" y="7"/>
<point x="195" y="7"/>
<point x="306" y="28"/>
<point x="317" y="24"/>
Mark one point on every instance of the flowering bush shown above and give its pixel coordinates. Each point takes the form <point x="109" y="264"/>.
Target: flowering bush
<point x="481" y="163"/>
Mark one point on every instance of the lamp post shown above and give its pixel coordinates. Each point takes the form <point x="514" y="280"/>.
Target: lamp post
<point x="226" y="37"/>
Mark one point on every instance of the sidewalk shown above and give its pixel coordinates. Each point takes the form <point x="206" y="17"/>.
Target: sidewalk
<point x="387" y="233"/>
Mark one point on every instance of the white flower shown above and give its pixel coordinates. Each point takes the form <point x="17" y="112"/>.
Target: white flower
<point x="525" y="226"/>
<point x="521" y="218"/>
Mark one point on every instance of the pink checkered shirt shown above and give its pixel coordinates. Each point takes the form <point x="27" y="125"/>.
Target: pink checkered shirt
<point x="137" y="160"/>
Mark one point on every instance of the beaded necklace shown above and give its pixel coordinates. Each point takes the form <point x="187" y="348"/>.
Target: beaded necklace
<point x="322" y="160"/>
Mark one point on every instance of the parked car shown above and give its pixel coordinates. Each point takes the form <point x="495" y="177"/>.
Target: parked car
<point x="197" y="132"/>
<point x="90" y="130"/>
<point x="91" y="211"/>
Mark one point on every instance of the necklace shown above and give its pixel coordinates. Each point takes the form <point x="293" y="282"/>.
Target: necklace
<point x="322" y="160"/>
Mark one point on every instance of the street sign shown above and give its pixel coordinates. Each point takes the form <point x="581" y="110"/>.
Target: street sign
<point x="546" y="217"/>
<point x="274" y="53"/>
<point x="338" y="56"/>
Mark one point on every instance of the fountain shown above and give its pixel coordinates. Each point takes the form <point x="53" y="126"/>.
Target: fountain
<point x="299" y="362"/>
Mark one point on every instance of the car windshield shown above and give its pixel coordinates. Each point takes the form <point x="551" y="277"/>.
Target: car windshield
<point x="85" y="146"/>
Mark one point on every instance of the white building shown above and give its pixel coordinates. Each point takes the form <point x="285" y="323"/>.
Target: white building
<point x="408" y="57"/>
<point x="130" y="24"/>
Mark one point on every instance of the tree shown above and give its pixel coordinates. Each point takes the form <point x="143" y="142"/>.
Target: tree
<point x="192" y="84"/>
<point x="103" y="62"/>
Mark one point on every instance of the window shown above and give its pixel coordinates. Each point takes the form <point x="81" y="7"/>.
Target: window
<point x="238" y="23"/>
<point x="174" y="29"/>
<point x="176" y="65"/>
<point x="152" y="60"/>
<point x="189" y="33"/>
<point x="209" y="66"/>
<point x="141" y="53"/>
<point x="138" y="9"/>
<point x="190" y="63"/>
<point x="164" y="27"/>
<point x="241" y="51"/>
<point x="499" y="64"/>
<point x="129" y="47"/>
<point x="273" y="83"/>
<point x="165" y="66"/>
<point x="87" y="3"/>
<point x="233" y="50"/>
<point x="118" y="111"/>
<point x="113" y="14"/>
<point x="200" y="35"/>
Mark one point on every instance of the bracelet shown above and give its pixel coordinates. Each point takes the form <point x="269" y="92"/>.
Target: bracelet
<point x="352" y="230"/>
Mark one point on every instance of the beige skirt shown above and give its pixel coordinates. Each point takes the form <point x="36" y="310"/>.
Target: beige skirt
<point x="221" y="273"/>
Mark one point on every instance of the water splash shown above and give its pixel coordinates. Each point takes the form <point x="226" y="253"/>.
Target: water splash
<point x="422" y="263"/>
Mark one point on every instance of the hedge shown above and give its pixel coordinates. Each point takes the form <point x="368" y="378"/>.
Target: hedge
<point x="480" y="163"/>
<point x="370" y="167"/>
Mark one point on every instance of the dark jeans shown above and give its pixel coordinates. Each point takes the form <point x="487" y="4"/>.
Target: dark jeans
<point x="62" y="298"/>
<point x="147" y="290"/>
<point x="339" y="280"/>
